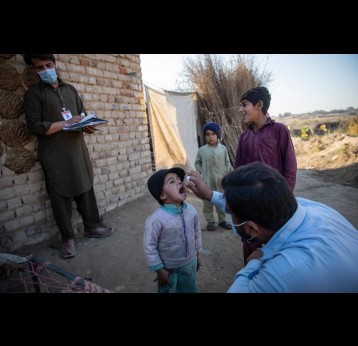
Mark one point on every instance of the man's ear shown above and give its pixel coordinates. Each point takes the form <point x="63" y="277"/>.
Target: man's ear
<point x="253" y="229"/>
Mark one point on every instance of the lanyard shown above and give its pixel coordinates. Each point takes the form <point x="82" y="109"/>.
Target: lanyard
<point x="61" y="98"/>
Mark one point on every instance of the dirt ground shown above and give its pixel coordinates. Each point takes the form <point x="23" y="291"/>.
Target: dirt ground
<point x="328" y="173"/>
<point x="118" y="263"/>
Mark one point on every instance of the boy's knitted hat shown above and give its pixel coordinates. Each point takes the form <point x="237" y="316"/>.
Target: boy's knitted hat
<point x="156" y="181"/>
<point x="212" y="127"/>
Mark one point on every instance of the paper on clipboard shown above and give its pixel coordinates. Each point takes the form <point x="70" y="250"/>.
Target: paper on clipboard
<point x="89" y="120"/>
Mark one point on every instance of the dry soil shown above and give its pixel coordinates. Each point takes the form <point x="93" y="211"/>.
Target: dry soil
<point x="328" y="173"/>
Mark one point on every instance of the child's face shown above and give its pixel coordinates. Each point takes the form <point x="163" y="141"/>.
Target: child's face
<point x="250" y="113"/>
<point x="173" y="191"/>
<point x="211" y="137"/>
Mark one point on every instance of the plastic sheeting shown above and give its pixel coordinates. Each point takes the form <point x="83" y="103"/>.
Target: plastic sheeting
<point x="173" y="123"/>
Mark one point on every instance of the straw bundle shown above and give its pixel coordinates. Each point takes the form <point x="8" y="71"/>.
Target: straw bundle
<point x="19" y="160"/>
<point x="10" y="79"/>
<point x="220" y="81"/>
<point x="14" y="133"/>
<point x="29" y="77"/>
<point x="11" y="105"/>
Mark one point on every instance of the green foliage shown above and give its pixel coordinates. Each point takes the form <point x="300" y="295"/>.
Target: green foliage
<point x="345" y="124"/>
<point x="323" y="128"/>
<point x="306" y="132"/>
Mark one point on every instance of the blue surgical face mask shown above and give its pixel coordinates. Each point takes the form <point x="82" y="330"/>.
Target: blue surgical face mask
<point x="48" y="76"/>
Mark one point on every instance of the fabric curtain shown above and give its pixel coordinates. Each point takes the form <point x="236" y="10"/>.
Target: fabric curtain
<point x="173" y="123"/>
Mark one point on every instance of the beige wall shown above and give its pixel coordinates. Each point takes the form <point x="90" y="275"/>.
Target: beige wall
<point x="111" y="86"/>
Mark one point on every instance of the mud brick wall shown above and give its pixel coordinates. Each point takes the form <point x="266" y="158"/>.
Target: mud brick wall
<point x="110" y="85"/>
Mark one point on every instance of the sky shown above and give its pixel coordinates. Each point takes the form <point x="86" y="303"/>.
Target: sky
<point x="301" y="83"/>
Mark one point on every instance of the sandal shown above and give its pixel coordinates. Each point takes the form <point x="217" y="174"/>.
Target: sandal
<point x="68" y="249"/>
<point x="99" y="232"/>
<point x="225" y="225"/>
<point x="211" y="226"/>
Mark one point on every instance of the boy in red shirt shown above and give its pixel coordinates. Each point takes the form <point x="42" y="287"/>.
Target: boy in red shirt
<point x="264" y="140"/>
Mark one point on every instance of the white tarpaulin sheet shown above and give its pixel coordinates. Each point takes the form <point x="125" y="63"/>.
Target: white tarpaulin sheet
<point x="173" y="119"/>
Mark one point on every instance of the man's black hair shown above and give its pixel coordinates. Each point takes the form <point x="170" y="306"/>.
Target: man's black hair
<point x="28" y="57"/>
<point x="259" y="193"/>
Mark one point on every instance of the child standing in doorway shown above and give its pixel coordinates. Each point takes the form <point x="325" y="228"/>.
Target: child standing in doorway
<point x="172" y="236"/>
<point x="213" y="163"/>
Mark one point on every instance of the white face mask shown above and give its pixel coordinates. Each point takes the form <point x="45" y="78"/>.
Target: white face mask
<point x="236" y="228"/>
<point x="48" y="76"/>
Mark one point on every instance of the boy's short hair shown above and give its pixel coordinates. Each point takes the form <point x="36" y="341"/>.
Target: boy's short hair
<point x="28" y="57"/>
<point x="156" y="181"/>
<point x="256" y="94"/>
<point x="212" y="126"/>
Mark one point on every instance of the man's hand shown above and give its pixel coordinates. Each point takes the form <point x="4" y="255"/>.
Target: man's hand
<point x="75" y="119"/>
<point x="89" y="129"/>
<point x="198" y="186"/>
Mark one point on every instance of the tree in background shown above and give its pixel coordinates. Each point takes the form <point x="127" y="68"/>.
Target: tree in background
<point x="219" y="81"/>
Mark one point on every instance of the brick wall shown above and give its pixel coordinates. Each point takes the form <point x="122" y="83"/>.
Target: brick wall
<point x="111" y="86"/>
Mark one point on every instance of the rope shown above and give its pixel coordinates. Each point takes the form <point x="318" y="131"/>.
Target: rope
<point x="41" y="277"/>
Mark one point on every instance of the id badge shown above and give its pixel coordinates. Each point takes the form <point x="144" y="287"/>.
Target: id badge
<point x="66" y="114"/>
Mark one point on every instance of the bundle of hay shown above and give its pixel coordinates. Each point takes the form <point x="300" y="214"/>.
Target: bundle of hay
<point x="29" y="77"/>
<point x="11" y="105"/>
<point x="19" y="160"/>
<point x="14" y="133"/>
<point x="10" y="79"/>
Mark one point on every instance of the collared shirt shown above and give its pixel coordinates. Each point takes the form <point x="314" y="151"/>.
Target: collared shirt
<point x="316" y="251"/>
<point x="271" y="144"/>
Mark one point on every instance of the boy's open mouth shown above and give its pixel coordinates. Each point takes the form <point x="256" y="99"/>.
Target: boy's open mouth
<point x="182" y="189"/>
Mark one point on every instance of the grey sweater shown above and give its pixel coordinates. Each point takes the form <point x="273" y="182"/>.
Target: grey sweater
<point x="167" y="242"/>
